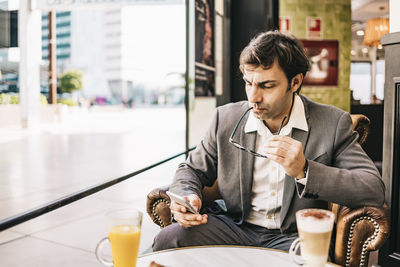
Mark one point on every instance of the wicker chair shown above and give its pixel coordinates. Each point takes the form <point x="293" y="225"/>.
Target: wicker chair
<point x="358" y="231"/>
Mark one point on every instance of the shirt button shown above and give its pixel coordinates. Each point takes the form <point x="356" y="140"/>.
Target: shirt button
<point x="273" y="194"/>
<point x="269" y="217"/>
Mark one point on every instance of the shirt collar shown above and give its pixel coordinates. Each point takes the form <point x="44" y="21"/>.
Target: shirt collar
<point x="297" y="119"/>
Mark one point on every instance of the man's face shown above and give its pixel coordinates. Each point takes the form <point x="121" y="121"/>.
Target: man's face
<point x="268" y="91"/>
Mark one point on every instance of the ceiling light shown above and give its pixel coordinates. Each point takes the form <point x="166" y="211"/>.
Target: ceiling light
<point x="380" y="46"/>
<point x="365" y="50"/>
<point x="353" y="53"/>
<point x="375" y="29"/>
<point x="360" y="33"/>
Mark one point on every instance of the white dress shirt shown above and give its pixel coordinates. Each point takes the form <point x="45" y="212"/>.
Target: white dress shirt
<point x="269" y="176"/>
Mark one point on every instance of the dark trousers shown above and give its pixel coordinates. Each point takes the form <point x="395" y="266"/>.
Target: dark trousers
<point x="221" y="230"/>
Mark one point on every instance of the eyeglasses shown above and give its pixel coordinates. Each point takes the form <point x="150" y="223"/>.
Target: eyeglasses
<point x="237" y="145"/>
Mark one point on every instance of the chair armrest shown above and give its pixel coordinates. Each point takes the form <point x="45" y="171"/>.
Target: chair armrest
<point x="158" y="207"/>
<point x="362" y="125"/>
<point x="358" y="232"/>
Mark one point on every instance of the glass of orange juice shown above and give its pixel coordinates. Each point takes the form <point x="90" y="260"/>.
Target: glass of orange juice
<point x="124" y="235"/>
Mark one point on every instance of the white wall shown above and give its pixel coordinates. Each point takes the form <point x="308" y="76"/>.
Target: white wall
<point x="394" y="9"/>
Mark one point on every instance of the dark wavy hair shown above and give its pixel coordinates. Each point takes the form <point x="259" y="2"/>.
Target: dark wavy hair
<point x="268" y="46"/>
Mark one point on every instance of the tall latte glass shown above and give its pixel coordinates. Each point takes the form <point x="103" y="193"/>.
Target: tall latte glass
<point x="315" y="229"/>
<point x="124" y="228"/>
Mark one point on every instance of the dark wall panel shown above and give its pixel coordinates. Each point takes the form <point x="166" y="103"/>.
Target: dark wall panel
<point x="248" y="17"/>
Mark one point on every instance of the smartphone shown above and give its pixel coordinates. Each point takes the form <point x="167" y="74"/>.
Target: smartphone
<point x="179" y="199"/>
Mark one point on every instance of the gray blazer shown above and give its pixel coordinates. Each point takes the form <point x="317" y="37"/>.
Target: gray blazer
<point x="339" y="171"/>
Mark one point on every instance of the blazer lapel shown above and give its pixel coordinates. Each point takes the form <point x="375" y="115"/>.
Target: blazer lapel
<point x="289" y="186"/>
<point x="246" y="165"/>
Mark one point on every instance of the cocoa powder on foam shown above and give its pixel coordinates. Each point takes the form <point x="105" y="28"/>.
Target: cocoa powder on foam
<point x="316" y="214"/>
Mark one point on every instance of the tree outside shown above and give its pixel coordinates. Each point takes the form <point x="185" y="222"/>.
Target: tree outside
<point x="71" y="81"/>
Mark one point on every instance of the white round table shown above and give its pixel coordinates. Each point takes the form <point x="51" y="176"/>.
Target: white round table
<point x="232" y="256"/>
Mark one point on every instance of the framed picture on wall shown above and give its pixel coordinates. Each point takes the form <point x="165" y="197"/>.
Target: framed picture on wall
<point x="324" y="62"/>
<point x="204" y="48"/>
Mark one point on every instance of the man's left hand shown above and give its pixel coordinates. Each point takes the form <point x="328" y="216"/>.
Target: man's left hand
<point x="287" y="152"/>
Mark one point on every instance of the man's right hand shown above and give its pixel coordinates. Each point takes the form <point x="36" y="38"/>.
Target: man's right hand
<point x="187" y="219"/>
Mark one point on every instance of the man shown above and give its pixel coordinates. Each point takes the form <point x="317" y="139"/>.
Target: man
<point x="294" y="154"/>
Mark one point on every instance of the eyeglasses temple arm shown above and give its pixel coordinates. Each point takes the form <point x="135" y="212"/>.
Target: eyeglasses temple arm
<point x="237" y="124"/>
<point x="280" y="127"/>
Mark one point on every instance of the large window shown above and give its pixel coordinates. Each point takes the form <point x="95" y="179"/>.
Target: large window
<point x="127" y="113"/>
<point x="361" y="82"/>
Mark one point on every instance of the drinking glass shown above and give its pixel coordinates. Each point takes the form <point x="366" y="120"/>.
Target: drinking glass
<point x="124" y="228"/>
<point x="315" y="230"/>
